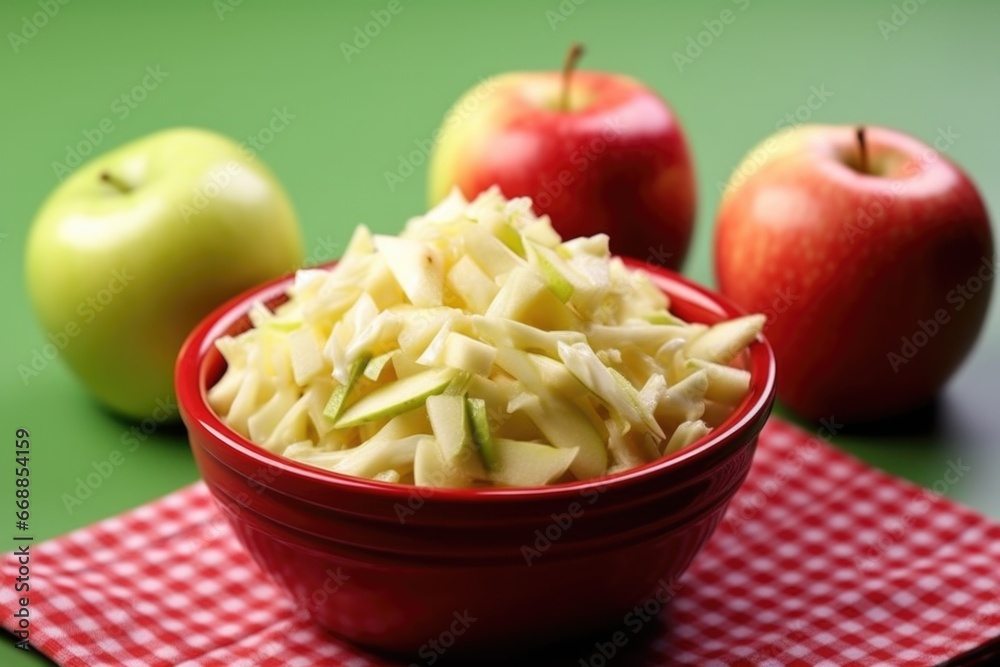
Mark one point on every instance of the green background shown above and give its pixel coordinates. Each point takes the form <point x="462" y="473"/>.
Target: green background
<point x="229" y="71"/>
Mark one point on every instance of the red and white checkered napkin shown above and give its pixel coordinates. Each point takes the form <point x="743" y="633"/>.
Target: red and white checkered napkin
<point x="821" y="560"/>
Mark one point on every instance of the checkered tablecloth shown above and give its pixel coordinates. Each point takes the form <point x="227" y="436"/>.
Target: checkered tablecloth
<point x="820" y="561"/>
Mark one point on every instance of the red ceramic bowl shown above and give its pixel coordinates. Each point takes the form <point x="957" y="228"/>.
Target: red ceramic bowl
<point x="404" y="569"/>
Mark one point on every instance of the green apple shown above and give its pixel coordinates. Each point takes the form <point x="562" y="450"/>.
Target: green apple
<point x="398" y="397"/>
<point x="135" y="247"/>
<point x="447" y="414"/>
<point x="374" y="368"/>
<point x="338" y="397"/>
<point x="553" y="268"/>
<point x="481" y="433"/>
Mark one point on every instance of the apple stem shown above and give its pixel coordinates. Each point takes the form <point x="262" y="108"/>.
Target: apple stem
<point x="115" y="182"/>
<point x="572" y="58"/>
<point x="862" y="150"/>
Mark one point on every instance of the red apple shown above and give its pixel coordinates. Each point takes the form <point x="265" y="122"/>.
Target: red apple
<point x="872" y="256"/>
<point x="597" y="152"/>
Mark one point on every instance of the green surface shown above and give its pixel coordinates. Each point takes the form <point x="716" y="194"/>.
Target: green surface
<point x="353" y="120"/>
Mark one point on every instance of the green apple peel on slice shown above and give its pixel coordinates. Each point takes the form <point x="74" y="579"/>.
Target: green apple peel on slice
<point x="374" y="368"/>
<point x="481" y="432"/>
<point x="665" y="317"/>
<point x="653" y="428"/>
<point x="553" y="268"/>
<point x="526" y="298"/>
<point x="335" y="406"/>
<point x="509" y="236"/>
<point x="396" y="398"/>
<point x="449" y="422"/>
<point x="489" y="253"/>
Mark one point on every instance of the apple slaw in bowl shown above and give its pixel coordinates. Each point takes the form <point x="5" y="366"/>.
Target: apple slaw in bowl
<point x="478" y="348"/>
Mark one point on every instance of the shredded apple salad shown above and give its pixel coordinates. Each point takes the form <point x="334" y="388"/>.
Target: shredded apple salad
<point x="478" y="349"/>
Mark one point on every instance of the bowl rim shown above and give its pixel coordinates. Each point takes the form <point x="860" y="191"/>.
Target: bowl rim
<point x="192" y="400"/>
